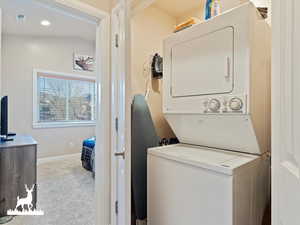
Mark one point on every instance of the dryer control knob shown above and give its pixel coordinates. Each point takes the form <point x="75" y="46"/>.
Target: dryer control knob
<point x="214" y="105"/>
<point x="236" y="104"/>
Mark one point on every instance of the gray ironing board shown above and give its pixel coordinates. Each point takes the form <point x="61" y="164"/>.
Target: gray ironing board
<point x="143" y="136"/>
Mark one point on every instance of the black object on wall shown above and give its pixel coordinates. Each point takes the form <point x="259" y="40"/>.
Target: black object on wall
<point x="4" y="121"/>
<point x="157" y="66"/>
<point x="4" y="116"/>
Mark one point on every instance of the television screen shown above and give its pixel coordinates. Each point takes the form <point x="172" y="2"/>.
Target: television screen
<point x="4" y="116"/>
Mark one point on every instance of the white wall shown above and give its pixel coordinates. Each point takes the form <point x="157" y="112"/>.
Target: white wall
<point x="20" y="55"/>
<point x="149" y="28"/>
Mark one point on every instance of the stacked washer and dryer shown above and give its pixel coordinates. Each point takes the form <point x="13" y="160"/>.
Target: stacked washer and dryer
<point x="217" y="100"/>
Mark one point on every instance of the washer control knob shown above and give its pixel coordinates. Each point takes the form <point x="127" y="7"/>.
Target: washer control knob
<point x="236" y="104"/>
<point x="214" y="105"/>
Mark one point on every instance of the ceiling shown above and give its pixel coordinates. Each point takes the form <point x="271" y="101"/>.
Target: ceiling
<point x="62" y="23"/>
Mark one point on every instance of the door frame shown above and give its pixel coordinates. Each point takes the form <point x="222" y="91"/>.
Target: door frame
<point x="276" y="108"/>
<point x="121" y="115"/>
<point x="276" y="95"/>
<point x="121" y="61"/>
<point x="102" y="156"/>
<point x="114" y="112"/>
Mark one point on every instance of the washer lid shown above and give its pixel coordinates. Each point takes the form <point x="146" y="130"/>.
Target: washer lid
<point x="226" y="162"/>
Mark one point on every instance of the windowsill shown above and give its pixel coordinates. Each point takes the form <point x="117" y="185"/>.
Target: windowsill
<point x="41" y="125"/>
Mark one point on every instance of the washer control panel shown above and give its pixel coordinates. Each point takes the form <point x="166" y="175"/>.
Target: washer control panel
<point x="225" y="105"/>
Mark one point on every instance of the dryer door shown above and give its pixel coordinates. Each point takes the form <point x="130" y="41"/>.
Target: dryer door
<point x="204" y="65"/>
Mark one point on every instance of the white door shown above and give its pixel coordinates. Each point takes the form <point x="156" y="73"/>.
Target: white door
<point x="121" y="117"/>
<point x="286" y="113"/>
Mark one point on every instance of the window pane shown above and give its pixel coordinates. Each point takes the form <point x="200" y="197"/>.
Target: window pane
<point x="65" y="99"/>
<point x="52" y="99"/>
<point x="81" y="100"/>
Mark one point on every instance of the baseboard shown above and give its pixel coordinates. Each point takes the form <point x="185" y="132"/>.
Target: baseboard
<point x="56" y="158"/>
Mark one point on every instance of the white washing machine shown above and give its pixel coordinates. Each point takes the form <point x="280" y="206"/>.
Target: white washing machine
<point x="216" y="94"/>
<point x="191" y="185"/>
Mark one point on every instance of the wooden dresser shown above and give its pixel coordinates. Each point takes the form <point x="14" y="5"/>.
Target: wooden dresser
<point x="18" y="160"/>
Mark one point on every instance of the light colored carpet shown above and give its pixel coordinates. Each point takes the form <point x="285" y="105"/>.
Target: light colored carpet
<point x="65" y="194"/>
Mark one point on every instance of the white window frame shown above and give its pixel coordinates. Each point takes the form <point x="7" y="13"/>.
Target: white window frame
<point x="36" y="123"/>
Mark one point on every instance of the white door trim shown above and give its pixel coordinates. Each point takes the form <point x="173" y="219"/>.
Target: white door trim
<point x="121" y="109"/>
<point x="102" y="160"/>
<point x="115" y="29"/>
<point x="103" y="126"/>
<point x="276" y="95"/>
<point x="128" y="102"/>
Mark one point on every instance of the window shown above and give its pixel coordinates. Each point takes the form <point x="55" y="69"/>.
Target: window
<point x="63" y="100"/>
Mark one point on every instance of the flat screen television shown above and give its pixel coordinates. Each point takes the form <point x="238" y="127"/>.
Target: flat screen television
<point x="5" y="135"/>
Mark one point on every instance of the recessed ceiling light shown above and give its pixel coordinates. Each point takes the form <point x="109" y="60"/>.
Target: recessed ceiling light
<point x="45" y="23"/>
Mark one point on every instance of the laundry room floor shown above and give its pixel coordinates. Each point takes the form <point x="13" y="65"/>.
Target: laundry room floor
<point x="267" y="217"/>
<point x="65" y="194"/>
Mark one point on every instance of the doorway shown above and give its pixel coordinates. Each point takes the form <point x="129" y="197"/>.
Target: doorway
<point x="100" y="20"/>
<point x="141" y="62"/>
